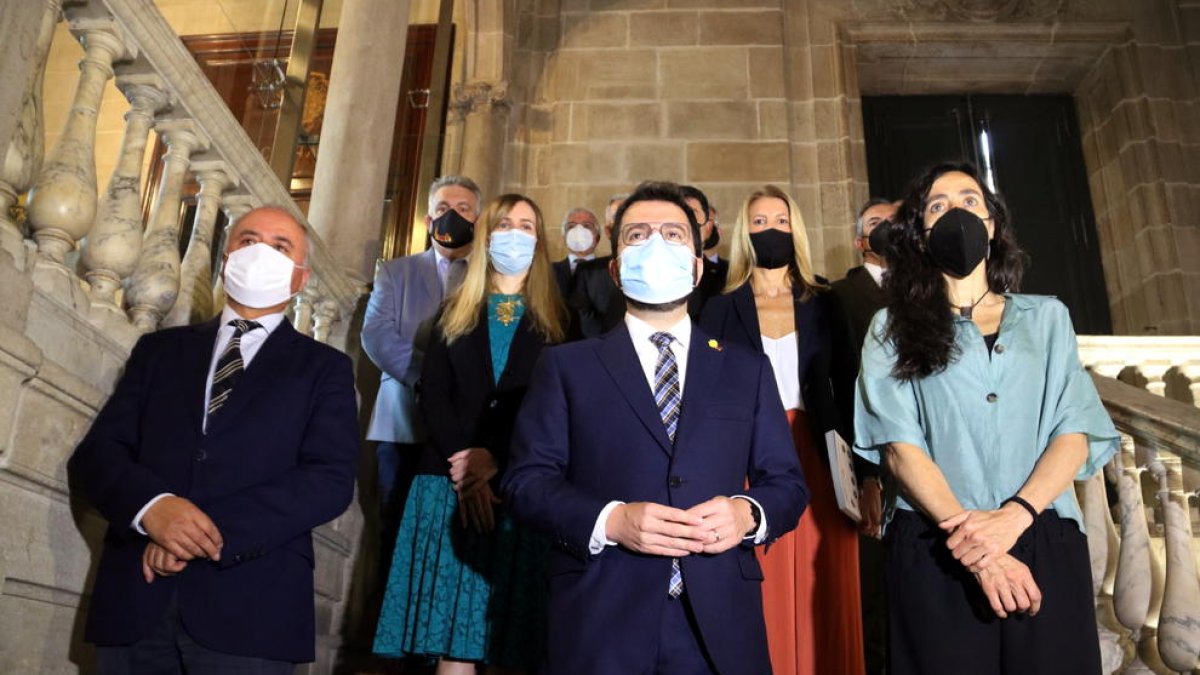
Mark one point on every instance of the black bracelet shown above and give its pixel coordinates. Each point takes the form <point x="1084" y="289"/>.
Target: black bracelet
<point x="1015" y="499"/>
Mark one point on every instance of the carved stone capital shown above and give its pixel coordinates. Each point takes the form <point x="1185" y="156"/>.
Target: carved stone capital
<point x="237" y="205"/>
<point x="104" y="42"/>
<point x="479" y="96"/>
<point x="183" y="138"/>
<point x="146" y="92"/>
<point x="214" y="177"/>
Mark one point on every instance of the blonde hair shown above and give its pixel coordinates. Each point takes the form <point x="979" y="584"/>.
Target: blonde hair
<point x="742" y="260"/>
<point x="542" y="298"/>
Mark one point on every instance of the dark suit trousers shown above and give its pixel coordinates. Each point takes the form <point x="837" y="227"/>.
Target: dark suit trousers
<point x="940" y="621"/>
<point x="679" y="649"/>
<point x="171" y="651"/>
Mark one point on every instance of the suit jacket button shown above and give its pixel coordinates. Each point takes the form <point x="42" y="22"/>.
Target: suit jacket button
<point x="992" y="398"/>
<point x="999" y="349"/>
<point x="675" y="481"/>
<point x="493" y="403"/>
<point x="201" y="455"/>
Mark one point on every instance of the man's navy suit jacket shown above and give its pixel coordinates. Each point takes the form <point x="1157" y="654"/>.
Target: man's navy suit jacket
<point x="277" y="461"/>
<point x="589" y="433"/>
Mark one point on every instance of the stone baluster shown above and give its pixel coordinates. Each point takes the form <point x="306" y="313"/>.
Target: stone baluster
<point x="195" y="301"/>
<point x="1132" y="586"/>
<point x="303" y="307"/>
<point x="1154" y="372"/>
<point x="1192" y="372"/>
<point x="1179" y="618"/>
<point x="155" y="282"/>
<point x="112" y="248"/>
<point x="1100" y="537"/>
<point x="235" y="206"/>
<point x="22" y="159"/>
<point x="62" y="203"/>
<point x="325" y="315"/>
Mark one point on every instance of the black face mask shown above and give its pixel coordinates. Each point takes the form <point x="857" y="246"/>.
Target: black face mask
<point x="773" y="248"/>
<point x="452" y="230"/>
<point x="877" y="241"/>
<point x="958" y="242"/>
<point x="713" y="239"/>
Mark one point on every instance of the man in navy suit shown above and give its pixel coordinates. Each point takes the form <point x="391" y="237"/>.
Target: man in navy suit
<point x="655" y="459"/>
<point x="406" y="294"/>
<point x="223" y="445"/>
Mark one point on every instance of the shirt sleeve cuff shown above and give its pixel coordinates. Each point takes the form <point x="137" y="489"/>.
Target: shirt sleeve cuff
<point x="137" y="519"/>
<point x="600" y="532"/>
<point x="759" y="535"/>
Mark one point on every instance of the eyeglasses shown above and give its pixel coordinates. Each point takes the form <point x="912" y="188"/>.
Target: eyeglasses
<point x="636" y="234"/>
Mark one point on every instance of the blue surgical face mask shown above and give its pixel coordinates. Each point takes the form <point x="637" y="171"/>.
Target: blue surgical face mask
<point x="657" y="272"/>
<point x="511" y="251"/>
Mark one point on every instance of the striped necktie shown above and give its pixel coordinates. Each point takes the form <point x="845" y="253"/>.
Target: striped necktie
<point x="668" y="398"/>
<point x="230" y="366"/>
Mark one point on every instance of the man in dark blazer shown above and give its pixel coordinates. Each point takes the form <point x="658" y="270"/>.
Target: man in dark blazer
<point x="406" y="294"/>
<point x="860" y="295"/>
<point x="595" y="303"/>
<point x="655" y="459"/>
<point x="581" y="231"/>
<point x="222" y="447"/>
<point x="861" y="291"/>
<point x="716" y="270"/>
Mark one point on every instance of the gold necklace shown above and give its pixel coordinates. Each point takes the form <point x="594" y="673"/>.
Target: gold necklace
<point x="506" y="311"/>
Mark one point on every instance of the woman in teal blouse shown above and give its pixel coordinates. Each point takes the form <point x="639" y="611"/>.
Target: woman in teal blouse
<point x="974" y="399"/>
<point x="466" y="582"/>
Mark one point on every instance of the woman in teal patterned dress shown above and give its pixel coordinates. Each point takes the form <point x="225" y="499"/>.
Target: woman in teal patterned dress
<point x="466" y="582"/>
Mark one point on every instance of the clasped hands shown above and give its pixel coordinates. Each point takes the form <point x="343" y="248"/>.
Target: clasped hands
<point x="471" y="471"/>
<point x="714" y="526"/>
<point x="981" y="540"/>
<point x="179" y="533"/>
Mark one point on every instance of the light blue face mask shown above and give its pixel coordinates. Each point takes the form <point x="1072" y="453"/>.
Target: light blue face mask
<point x="657" y="272"/>
<point x="511" y="251"/>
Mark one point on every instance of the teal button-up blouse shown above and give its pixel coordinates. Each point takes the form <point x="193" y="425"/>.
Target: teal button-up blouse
<point x="987" y="418"/>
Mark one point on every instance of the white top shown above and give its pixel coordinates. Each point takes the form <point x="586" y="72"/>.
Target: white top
<point x="784" y="354"/>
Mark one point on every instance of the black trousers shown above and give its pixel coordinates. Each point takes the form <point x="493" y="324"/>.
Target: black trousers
<point x="940" y="622"/>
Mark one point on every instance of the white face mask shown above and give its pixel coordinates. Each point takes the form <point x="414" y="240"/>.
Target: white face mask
<point x="657" y="272"/>
<point x="258" y="276"/>
<point x="580" y="239"/>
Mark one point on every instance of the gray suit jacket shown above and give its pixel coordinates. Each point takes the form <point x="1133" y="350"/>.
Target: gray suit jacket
<point x="395" y="329"/>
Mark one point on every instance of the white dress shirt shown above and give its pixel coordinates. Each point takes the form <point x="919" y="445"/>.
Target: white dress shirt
<point x="252" y="341"/>
<point x="647" y="353"/>
<point x="876" y="272"/>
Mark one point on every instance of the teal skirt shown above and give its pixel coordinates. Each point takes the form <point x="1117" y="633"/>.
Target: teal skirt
<point x="457" y="594"/>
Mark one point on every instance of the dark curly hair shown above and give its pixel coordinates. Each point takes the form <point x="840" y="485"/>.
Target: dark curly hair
<point x="920" y="320"/>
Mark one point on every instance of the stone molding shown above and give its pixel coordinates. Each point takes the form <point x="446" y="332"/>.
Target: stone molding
<point x="480" y="96"/>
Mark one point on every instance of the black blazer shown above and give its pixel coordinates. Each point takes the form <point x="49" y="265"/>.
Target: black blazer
<point x="274" y="463"/>
<point x="860" y="297"/>
<point x="827" y="368"/>
<point x="562" y="275"/>
<point x="463" y="405"/>
<point x="595" y="301"/>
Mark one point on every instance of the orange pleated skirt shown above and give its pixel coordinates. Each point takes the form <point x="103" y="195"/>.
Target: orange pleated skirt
<point x="810" y="589"/>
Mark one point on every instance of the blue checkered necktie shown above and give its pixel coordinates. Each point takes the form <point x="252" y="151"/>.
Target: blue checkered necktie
<point x="230" y="366"/>
<point x="668" y="397"/>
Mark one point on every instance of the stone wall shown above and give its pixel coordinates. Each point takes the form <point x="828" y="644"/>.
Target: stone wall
<point x="728" y="95"/>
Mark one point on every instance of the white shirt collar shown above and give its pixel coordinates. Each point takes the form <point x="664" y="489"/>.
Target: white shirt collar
<point x="576" y="258"/>
<point x="714" y="258"/>
<point x="875" y="271"/>
<point x="269" y="322"/>
<point x="640" y="331"/>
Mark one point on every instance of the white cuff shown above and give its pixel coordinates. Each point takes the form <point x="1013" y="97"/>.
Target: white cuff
<point x="137" y="519"/>
<point x="760" y="535"/>
<point x="600" y="531"/>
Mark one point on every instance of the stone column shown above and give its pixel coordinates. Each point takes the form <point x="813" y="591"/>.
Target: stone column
<point x="22" y="135"/>
<point x="111" y="250"/>
<point x="155" y="281"/>
<point x="195" y="302"/>
<point x="484" y="108"/>
<point x="62" y="204"/>
<point x="350" y="181"/>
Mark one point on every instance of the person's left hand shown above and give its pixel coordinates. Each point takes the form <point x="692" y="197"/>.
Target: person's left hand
<point x="470" y="468"/>
<point x="157" y="560"/>
<point x="870" y="503"/>
<point x="977" y="538"/>
<point x="727" y="521"/>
